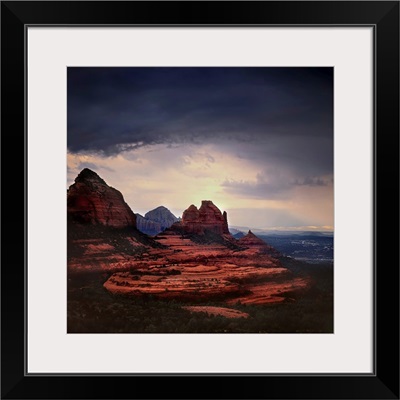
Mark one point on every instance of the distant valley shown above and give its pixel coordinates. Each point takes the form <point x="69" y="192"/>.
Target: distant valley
<point x="310" y="248"/>
<point x="313" y="247"/>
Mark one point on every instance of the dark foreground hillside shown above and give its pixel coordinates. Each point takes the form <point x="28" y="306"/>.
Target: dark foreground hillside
<point x="91" y="309"/>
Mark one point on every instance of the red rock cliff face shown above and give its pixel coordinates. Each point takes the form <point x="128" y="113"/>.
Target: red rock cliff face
<point x="91" y="201"/>
<point x="252" y="240"/>
<point x="207" y="217"/>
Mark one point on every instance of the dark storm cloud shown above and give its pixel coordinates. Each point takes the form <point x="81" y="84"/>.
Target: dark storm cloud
<point x="286" y="113"/>
<point x="258" y="189"/>
<point x="93" y="166"/>
<point x="271" y="185"/>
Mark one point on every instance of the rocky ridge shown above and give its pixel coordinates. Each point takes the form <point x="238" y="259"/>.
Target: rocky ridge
<point x="254" y="242"/>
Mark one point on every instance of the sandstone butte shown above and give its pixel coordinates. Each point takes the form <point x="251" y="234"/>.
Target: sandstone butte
<point x="91" y="201"/>
<point x="177" y="263"/>
<point x="207" y="218"/>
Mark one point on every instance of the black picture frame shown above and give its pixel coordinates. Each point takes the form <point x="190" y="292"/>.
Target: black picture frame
<point x="383" y="383"/>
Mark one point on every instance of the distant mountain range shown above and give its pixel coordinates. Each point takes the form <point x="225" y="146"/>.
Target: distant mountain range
<point x="155" y="221"/>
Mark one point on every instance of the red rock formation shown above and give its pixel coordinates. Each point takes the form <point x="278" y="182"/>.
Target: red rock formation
<point x="253" y="241"/>
<point x="91" y="201"/>
<point x="191" y="215"/>
<point x="207" y="217"/>
<point x="189" y="271"/>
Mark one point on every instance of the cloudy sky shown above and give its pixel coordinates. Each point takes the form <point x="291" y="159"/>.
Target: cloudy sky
<point x="258" y="142"/>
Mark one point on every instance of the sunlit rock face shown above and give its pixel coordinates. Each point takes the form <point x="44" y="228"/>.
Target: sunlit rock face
<point x="207" y="218"/>
<point x="91" y="201"/>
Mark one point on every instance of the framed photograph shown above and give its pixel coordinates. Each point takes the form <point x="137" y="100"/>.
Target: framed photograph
<point x="209" y="196"/>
